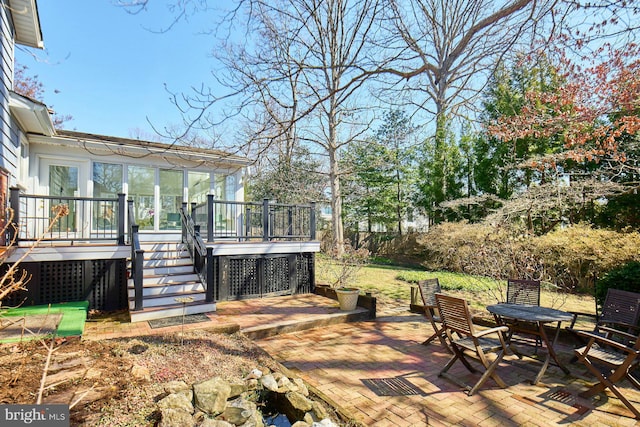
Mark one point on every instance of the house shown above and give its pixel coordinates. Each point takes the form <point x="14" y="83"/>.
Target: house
<point x="157" y="228"/>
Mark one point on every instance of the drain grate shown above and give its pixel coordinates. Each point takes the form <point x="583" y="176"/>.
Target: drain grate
<point x="177" y="321"/>
<point x="397" y="386"/>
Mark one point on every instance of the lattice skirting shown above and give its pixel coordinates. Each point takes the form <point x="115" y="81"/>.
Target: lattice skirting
<point x="241" y="277"/>
<point x="101" y="282"/>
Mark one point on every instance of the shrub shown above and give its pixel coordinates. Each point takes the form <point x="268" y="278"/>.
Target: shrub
<point x="342" y="270"/>
<point x="626" y="278"/>
<point x="575" y="256"/>
<point x="569" y="259"/>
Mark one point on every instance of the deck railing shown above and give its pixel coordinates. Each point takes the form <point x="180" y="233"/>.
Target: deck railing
<point x="99" y="219"/>
<point x="89" y="218"/>
<point x="200" y="253"/>
<point x="137" y="257"/>
<point x="243" y="221"/>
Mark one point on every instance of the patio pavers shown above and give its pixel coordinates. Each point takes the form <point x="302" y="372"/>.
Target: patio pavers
<point x="342" y="361"/>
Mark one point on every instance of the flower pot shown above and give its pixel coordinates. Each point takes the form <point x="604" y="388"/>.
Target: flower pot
<point x="348" y="298"/>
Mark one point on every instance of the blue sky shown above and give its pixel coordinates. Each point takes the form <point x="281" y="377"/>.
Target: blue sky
<point x="104" y="67"/>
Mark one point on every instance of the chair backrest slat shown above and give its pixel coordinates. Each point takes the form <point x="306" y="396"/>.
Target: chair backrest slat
<point x="621" y="306"/>
<point x="523" y="292"/>
<point x="428" y="290"/>
<point x="455" y="314"/>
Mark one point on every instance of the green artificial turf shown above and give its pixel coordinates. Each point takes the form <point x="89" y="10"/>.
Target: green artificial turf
<point x="74" y="315"/>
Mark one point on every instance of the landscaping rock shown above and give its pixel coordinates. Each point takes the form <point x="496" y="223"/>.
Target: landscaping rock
<point x="269" y="382"/>
<point x="208" y="422"/>
<point x="238" y="411"/>
<point x="297" y="406"/>
<point x="233" y="406"/>
<point x="319" y="411"/>
<point x="177" y="401"/>
<point x="211" y="395"/>
<point x="237" y="388"/>
<point x="254" y="374"/>
<point x="302" y="388"/>
<point x="179" y="387"/>
<point x="175" y="418"/>
<point x="140" y="373"/>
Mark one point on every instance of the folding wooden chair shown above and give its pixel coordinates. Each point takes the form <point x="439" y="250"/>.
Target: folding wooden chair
<point x="523" y="292"/>
<point x="620" y="311"/>
<point x="456" y="318"/>
<point x="527" y="292"/>
<point x="428" y="289"/>
<point x="611" y="362"/>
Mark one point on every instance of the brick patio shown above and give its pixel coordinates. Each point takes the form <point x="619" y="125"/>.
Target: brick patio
<point x="380" y="374"/>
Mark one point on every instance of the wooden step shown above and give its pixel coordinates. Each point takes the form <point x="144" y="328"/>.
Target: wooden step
<point x="168" y="270"/>
<point x="166" y="262"/>
<point x="168" y="279"/>
<point x="155" y="289"/>
<point x="168" y="299"/>
<point x="151" y="313"/>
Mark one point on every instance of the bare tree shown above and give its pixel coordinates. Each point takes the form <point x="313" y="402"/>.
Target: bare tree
<point x="299" y="77"/>
<point x="450" y="48"/>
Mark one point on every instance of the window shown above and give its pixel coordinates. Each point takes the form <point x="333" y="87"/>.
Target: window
<point x="199" y="185"/>
<point x="107" y="183"/>
<point x="141" y="190"/>
<point x="171" y="190"/>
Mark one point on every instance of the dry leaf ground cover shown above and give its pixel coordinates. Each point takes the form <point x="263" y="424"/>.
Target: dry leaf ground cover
<point x="117" y="382"/>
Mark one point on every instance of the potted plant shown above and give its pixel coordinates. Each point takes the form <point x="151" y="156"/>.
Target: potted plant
<point x="347" y="298"/>
<point x="342" y="271"/>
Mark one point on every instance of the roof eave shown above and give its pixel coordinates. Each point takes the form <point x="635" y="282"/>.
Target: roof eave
<point x="33" y="116"/>
<point x="26" y="22"/>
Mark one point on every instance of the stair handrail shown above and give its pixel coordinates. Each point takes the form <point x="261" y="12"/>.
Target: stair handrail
<point x="137" y="257"/>
<point x="201" y="255"/>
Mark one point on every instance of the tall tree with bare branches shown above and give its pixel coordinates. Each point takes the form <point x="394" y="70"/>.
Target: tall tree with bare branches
<point x="301" y="78"/>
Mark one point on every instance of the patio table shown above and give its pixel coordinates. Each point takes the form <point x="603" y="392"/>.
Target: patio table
<point x="539" y="317"/>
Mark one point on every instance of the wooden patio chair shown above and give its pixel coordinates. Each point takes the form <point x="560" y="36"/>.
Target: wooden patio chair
<point x="620" y="311"/>
<point x="524" y="292"/>
<point x="456" y="318"/>
<point x="611" y="362"/>
<point x="428" y="289"/>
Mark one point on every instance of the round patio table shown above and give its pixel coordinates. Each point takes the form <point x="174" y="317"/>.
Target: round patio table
<point x="538" y="317"/>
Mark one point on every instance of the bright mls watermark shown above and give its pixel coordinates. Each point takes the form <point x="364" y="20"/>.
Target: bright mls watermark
<point x="34" y="415"/>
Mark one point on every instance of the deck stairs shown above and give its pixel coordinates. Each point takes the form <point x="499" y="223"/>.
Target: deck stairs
<point x="168" y="274"/>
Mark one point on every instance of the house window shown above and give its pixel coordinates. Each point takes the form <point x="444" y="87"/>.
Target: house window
<point x="225" y="187"/>
<point x="171" y="190"/>
<point x="199" y="185"/>
<point x="107" y="179"/>
<point x="107" y="183"/>
<point x="141" y="189"/>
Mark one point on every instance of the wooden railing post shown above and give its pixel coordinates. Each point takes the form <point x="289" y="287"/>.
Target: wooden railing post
<point x="209" y="217"/>
<point x="265" y="219"/>
<point x="312" y="221"/>
<point x="121" y="209"/>
<point x="183" y="226"/>
<point x="210" y="278"/>
<point x="14" y="201"/>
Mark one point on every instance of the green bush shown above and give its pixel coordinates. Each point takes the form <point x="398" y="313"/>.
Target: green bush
<point x="626" y="278"/>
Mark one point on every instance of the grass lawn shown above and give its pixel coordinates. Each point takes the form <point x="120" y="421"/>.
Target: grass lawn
<point x="392" y="285"/>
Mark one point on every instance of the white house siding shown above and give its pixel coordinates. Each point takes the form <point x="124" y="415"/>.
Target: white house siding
<point x="9" y="144"/>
